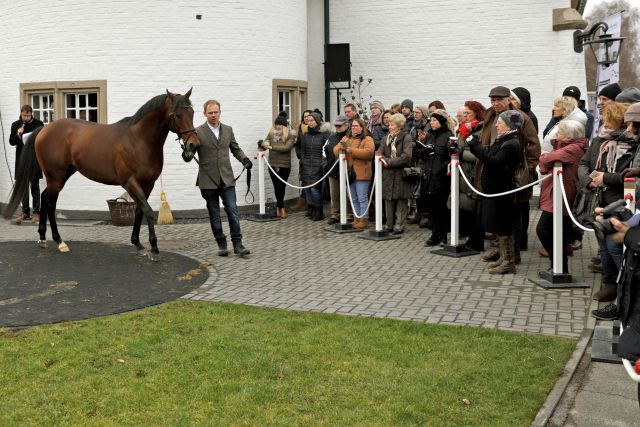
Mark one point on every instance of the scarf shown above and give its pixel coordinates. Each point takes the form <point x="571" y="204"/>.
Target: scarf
<point x="277" y="135"/>
<point x="391" y="141"/>
<point x="614" y="149"/>
<point x="466" y="128"/>
<point x="375" y="121"/>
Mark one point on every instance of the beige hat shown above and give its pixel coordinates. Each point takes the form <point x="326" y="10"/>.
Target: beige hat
<point x="633" y="113"/>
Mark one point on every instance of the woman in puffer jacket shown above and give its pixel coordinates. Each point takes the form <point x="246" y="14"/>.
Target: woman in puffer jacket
<point x="359" y="148"/>
<point x="312" y="163"/>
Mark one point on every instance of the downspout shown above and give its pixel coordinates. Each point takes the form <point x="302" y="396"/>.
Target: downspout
<point x="327" y="38"/>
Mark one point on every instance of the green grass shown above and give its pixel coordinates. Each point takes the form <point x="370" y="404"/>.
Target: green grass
<point x="187" y="363"/>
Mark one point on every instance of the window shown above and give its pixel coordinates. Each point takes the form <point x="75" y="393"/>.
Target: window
<point x="42" y="107"/>
<point x="85" y="100"/>
<point x="289" y="96"/>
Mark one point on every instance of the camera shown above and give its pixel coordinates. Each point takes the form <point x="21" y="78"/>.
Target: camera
<point x="618" y="210"/>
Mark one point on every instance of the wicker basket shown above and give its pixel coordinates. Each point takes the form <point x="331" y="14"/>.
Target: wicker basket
<point x="122" y="212"/>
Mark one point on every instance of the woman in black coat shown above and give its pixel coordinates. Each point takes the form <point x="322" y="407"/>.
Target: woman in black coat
<point x="501" y="160"/>
<point x="436" y="184"/>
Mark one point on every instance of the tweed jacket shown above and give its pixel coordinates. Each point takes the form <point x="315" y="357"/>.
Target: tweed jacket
<point x="215" y="165"/>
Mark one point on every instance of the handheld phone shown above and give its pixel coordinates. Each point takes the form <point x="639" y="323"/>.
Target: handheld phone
<point x="593" y="174"/>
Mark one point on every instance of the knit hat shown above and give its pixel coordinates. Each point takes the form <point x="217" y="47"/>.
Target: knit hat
<point x="441" y="116"/>
<point x="515" y="97"/>
<point x="341" y="120"/>
<point x="377" y="104"/>
<point x="630" y="95"/>
<point x="524" y="96"/>
<point x="317" y="117"/>
<point x="610" y="91"/>
<point x="407" y="103"/>
<point x="633" y="113"/>
<point x="500" y="92"/>
<point x="281" y="119"/>
<point x="573" y="92"/>
<point x="513" y="119"/>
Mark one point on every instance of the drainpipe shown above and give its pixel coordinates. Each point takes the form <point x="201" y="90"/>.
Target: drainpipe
<point x="327" y="40"/>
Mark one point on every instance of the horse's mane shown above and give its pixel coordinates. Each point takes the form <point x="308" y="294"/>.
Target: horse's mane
<point x="151" y="105"/>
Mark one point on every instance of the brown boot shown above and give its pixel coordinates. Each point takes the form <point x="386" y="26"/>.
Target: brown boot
<point x="494" y="255"/>
<point x="282" y="213"/>
<point x="361" y="223"/>
<point x="300" y="205"/>
<point x="608" y="291"/>
<point x="508" y="265"/>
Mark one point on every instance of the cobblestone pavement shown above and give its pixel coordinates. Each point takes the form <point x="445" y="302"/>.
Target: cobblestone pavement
<point x="296" y="264"/>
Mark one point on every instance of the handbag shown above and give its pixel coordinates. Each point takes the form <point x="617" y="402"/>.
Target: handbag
<point x="585" y="203"/>
<point x="412" y="173"/>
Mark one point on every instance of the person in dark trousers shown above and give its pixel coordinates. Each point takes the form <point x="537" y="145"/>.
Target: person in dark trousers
<point x="215" y="176"/>
<point x="24" y="125"/>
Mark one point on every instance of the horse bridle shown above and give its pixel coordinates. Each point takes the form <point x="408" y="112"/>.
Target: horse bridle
<point x="180" y="133"/>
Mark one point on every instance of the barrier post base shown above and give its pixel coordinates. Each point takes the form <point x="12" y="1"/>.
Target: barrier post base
<point x="262" y="218"/>
<point x="551" y="280"/>
<point x="378" y="236"/>
<point x="343" y="228"/>
<point x="455" y="251"/>
<point x="604" y="345"/>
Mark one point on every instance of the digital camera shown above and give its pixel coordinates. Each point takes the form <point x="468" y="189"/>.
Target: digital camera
<point x="618" y="210"/>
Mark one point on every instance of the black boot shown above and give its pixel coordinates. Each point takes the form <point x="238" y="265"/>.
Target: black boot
<point x="238" y="249"/>
<point x="318" y="214"/>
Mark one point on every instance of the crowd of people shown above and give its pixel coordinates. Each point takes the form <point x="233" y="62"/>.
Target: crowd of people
<point x="499" y="151"/>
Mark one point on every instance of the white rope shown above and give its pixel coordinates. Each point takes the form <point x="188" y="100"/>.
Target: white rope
<point x="295" y="186"/>
<point x="500" y="194"/>
<point x="373" y="186"/>
<point x="566" y="203"/>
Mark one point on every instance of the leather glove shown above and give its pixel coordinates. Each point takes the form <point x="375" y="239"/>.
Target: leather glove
<point x="631" y="173"/>
<point x="473" y="139"/>
<point x="247" y="163"/>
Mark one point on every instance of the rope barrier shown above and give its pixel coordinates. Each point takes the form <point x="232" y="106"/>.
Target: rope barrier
<point x="373" y="186"/>
<point x="499" y="194"/>
<point x="566" y="204"/>
<point x="295" y="186"/>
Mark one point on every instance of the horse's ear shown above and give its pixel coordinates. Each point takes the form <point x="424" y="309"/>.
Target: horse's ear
<point x="188" y="94"/>
<point x="171" y="95"/>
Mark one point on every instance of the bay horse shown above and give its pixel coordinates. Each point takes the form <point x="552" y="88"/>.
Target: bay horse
<point x="128" y="153"/>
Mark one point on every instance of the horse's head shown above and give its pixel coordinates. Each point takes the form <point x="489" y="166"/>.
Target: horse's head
<point x="181" y="122"/>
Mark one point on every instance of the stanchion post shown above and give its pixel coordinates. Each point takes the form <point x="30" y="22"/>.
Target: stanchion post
<point x="455" y="249"/>
<point x="343" y="226"/>
<point x="261" y="216"/>
<point x="379" y="233"/>
<point x="556" y="278"/>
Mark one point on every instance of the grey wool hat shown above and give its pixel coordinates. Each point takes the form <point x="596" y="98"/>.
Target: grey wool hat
<point x="513" y="119"/>
<point x="407" y="103"/>
<point x="341" y="120"/>
<point x="633" y="113"/>
<point x="630" y="95"/>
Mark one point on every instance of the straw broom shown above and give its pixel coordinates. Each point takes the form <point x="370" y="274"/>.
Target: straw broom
<point x="164" y="214"/>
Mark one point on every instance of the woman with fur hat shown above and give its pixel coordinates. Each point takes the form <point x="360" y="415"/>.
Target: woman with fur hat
<point x="280" y="141"/>
<point x="435" y="182"/>
<point x="500" y="161"/>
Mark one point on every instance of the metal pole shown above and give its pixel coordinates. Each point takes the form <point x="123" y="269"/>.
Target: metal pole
<point x="377" y="178"/>
<point x="557" y="218"/>
<point x="455" y="199"/>
<point x="261" y="198"/>
<point x="343" y="184"/>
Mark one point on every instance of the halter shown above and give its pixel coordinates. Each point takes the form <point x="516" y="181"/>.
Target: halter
<point x="180" y="133"/>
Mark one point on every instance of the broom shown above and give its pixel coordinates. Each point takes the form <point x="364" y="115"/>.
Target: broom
<point x="164" y="214"/>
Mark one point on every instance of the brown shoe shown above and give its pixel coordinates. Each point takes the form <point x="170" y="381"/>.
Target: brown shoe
<point x="361" y="224"/>
<point x="35" y="218"/>
<point x="283" y="213"/>
<point x="508" y="265"/>
<point x="608" y="291"/>
<point x="491" y="256"/>
<point x="543" y="253"/>
<point x="23" y="217"/>
<point x="300" y="205"/>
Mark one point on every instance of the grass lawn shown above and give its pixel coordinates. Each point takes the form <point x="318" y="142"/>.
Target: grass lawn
<point x="206" y="363"/>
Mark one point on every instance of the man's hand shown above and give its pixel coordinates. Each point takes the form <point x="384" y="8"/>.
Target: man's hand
<point x="631" y="172"/>
<point x="622" y="228"/>
<point x="247" y="163"/>
<point x="597" y="180"/>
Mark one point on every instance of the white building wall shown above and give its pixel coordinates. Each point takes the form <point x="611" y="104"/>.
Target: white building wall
<point x="456" y="50"/>
<point x="142" y="48"/>
<point x="315" y="54"/>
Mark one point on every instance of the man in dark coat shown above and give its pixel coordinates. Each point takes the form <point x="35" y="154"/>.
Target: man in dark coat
<point x="24" y="125"/>
<point x="215" y="177"/>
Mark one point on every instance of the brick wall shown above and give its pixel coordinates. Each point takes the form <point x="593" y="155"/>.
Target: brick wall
<point x="144" y="47"/>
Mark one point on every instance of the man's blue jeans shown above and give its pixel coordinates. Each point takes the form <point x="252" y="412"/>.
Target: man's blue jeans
<point x="611" y="256"/>
<point x="228" y="196"/>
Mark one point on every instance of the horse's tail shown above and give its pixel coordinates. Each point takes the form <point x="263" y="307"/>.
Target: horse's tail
<point x="26" y="171"/>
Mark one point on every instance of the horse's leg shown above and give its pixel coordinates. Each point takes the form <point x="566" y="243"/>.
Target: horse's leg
<point x="140" y="196"/>
<point x="135" y="234"/>
<point x="53" y="191"/>
<point x="42" y="226"/>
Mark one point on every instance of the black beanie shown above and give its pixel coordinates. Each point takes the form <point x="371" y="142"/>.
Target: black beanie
<point x="441" y="119"/>
<point x="281" y="119"/>
<point x="610" y="91"/>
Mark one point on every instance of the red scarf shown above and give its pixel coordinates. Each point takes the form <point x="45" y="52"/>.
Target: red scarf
<point x="466" y="127"/>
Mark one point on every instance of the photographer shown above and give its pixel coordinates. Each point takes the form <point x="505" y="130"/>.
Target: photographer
<point x="601" y="167"/>
<point x="24" y="125"/>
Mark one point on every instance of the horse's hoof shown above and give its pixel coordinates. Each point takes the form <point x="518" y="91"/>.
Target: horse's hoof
<point x="43" y="244"/>
<point x="62" y="247"/>
<point x="154" y="256"/>
<point x="142" y="252"/>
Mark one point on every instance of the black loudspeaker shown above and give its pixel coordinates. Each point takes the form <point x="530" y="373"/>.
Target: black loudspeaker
<point x="337" y="65"/>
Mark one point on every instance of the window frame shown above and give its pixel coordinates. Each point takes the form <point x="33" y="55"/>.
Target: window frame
<point x="60" y="89"/>
<point x="298" y="98"/>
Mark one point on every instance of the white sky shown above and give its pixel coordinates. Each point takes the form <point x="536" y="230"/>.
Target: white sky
<point x="633" y="4"/>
